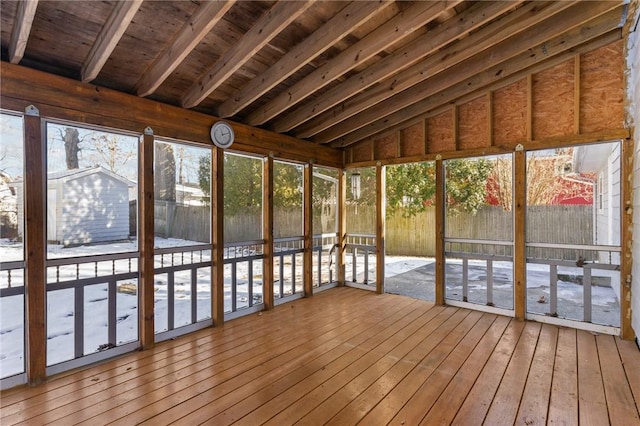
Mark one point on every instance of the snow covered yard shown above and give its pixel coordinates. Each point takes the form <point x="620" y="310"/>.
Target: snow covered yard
<point x="411" y="276"/>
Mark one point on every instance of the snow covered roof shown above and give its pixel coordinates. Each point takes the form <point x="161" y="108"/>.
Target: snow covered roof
<point x="590" y="158"/>
<point x="67" y="175"/>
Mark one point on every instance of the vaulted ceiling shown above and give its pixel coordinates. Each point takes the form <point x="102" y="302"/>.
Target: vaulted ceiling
<point x="330" y="72"/>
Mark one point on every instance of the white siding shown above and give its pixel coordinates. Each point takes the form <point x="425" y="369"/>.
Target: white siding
<point x="633" y="118"/>
<point x="94" y="208"/>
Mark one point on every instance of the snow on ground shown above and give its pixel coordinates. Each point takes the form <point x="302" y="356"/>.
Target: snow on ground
<point x="60" y="303"/>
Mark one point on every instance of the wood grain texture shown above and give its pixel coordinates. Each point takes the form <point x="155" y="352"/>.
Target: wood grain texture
<point x="35" y="249"/>
<point x="510" y="114"/>
<point x="353" y="356"/>
<point x="553" y="101"/>
<point x="67" y="99"/>
<point x="602" y="88"/>
<point x="473" y="124"/>
<point x="440" y="133"/>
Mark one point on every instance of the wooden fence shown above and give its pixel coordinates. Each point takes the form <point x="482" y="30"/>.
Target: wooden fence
<point x="415" y="236"/>
<point x="405" y="236"/>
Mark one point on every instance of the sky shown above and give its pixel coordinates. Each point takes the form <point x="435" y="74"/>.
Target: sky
<point x="11" y="151"/>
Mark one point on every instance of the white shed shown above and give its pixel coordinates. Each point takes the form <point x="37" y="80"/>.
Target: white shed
<point x="86" y="206"/>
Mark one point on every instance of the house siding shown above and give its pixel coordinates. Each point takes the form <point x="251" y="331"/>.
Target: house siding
<point x="633" y="121"/>
<point x="93" y="208"/>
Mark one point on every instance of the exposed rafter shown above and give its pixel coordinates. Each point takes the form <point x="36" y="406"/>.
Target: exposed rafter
<point x="117" y="23"/>
<point x="269" y="25"/>
<point x="425" y="45"/>
<point x="456" y="71"/>
<point x="349" y="18"/>
<point x="481" y="41"/>
<point x="333" y="73"/>
<point x="389" y="33"/>
<point x="21" y="29"/>
<point x="191" y="33"/>
<point x="560" y="49"/>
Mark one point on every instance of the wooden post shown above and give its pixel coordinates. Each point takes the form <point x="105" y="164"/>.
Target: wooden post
<point x="267" y="232"/>
<point x="146" y="234"/>
<point x="529" y="117"/>
<point x="440" y="215"/>
<point x="380" y="226"/>
<point x="308" y="229"/>
<point x="519" y="231"/>
<point x="342" y="227"/>
<point x="626" y="237"/>
<point x="35" y="181"/>
<point x="217" y="236"/>
<point x="576" y="95"/>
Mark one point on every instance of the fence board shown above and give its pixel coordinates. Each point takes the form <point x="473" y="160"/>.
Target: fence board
<point x="405" y="236"/>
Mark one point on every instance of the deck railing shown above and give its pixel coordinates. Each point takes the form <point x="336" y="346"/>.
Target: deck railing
<point x="245" y="291"/>
<point x="112" y="274"/>
<point x="360" y="247"/>
<point x="324" y="259"/>
<point x="578" y="271"/>
<point x="179" y="271"/>
<point x="485" y="251"/>
<point x="12" y="292"/>
<point x="288" y="261"/>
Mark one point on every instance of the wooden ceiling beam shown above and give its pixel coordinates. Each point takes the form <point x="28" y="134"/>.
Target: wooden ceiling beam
<point x="343" y="23"/>
<point x="267" y="27"/>
<point x="422" y="87"/>
<point x="452" y="29"/>
<point x="556" y="51"/>
<point x="392" y="31"/>
<point x="481" y="41"/>
<point x="112" y="31"/>
<point x="192" y="32"/>
<point x="21" y="29"/>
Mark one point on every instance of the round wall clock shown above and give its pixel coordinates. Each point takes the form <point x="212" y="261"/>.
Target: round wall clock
<point x="222" y="134"/>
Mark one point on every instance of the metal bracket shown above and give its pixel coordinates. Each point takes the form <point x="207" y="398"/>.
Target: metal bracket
<point x="32" y="111"/>
<point x="148" y="131"/>
<point x="519" y="147"/>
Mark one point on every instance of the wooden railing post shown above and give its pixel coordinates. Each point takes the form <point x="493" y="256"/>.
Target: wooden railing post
<point x="146" y="235"/>
<point x="519" y="233"/>
<point x="308" y="230"/>
<point x="440" y="213"/>
<point x="342" y="227"/>
<point x="626" y="237"/>
<point x="380" y="226"/>
<point x="217" y="236"/>
<point x="35" y="208"/>
<point x="267" y="232"/>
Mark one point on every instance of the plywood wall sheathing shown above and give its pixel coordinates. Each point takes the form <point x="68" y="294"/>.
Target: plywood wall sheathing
<point x="441" y="133"/>
<point x="412" y="140"/>
<point x="510" y="114"/>
<point x="386" y="147"/>
<point x="473" y="124"/>
<point x="553" y="101"/>
<point x="602" y="91"/>
<point x="362" y="152"/>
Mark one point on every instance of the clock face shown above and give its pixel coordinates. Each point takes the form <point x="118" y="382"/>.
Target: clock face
<point x="222" y="134"/>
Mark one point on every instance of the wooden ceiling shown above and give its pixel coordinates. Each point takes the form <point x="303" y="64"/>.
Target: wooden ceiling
<point x="330" y="72"/>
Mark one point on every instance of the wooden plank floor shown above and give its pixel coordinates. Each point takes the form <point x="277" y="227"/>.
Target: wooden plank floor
<point x="348" y="356"/>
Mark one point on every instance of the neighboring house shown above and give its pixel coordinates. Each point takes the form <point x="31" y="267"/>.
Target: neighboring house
<point x="8" y="207"/>
<point x="604" y="161"/>
<point x="190" y="194"/>
<point x="86" y="206"/>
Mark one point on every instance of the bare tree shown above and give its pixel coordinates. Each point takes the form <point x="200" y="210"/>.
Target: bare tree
<point x="549" y="179"/>
<point x="71" y="140"/>
<point x="165" y="172"/>
<point x="110" y="152"/>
